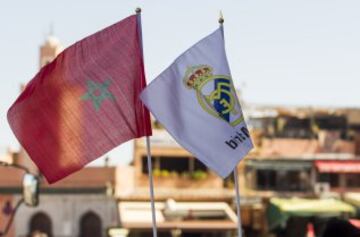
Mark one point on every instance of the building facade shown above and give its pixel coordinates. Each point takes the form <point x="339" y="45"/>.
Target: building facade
<point x="300" y="155"/>
<point x="303" y="153"/>
<point x="190" y="199"/>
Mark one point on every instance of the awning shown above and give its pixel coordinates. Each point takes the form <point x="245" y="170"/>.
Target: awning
<point x="353" y="199"/>
<point x="178" y="215"/>
<point x="355" y="223"/>
<point x="352" y="166"/>
<point x="279" y="165"/>
<point x="281" y="209"/>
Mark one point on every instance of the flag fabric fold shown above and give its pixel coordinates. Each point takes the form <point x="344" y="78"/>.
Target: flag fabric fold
<point x="84" y="103"/>
<point x="195" y="100"/>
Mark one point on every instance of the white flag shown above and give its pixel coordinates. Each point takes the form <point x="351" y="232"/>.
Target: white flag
<point x="195" y="100"/>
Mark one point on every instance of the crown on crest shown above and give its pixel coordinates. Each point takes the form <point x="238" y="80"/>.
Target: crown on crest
<point x="196" y="75"/>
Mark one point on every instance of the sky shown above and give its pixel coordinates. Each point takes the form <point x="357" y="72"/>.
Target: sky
<point x="281" y="52"/>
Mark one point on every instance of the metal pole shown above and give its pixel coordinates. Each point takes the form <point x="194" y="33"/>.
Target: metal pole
<point x="221" y="22"/>
<point x="151" y="182"/>
<point x="237" y="202"/>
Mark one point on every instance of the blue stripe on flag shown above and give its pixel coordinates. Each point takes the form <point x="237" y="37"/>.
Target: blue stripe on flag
<point x="222" y="85"/>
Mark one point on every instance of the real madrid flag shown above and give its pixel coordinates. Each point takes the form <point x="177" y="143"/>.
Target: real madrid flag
<point x="195" y="100"/>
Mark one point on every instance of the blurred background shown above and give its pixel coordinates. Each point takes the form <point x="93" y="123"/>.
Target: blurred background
<point x="295" y="66"/>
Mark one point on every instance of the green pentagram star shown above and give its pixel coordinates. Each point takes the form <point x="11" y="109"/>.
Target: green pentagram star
<point x="97" y="93"/>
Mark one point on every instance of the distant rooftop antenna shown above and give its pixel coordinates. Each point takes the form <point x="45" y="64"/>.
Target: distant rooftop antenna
<point x="49" y="32"/>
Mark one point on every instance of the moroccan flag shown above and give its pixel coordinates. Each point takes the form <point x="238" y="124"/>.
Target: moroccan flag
<point x="84" y="103"/>
<point x="195" y="100"/>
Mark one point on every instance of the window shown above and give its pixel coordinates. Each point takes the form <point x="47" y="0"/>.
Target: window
<point x="199" y="165"/>
<point x="332" y="122"/>
<point x="332" y="179"/>
<point x="289" y="181"/>
<point x="178" y="165"/>
<point x="295" y="128"/>
<point x="144" y="164"/>
<point x="352" y="180"/>
<point x="266" y="179"/>
<point x="90" y="225"/>
<point x="40" y="223"/>
<point x="282" y="180"/>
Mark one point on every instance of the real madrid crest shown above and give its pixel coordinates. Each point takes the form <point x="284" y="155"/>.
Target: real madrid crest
<point x="215" y="93"/>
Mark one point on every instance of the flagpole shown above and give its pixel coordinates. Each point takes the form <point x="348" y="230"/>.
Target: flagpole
<point x="151" y="187"/>
<point x="221" y="22"/>
<point x="151" y="181"/>
<point x="237" y="201"/>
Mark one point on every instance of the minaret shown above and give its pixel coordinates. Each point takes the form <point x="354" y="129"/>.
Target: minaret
<point x="49" y="50"/>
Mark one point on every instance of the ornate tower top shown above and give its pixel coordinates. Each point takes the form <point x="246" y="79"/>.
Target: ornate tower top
<point x="49" y="50"/>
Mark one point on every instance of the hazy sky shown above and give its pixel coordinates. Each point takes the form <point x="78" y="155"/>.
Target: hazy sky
<point x="280" y="52"/>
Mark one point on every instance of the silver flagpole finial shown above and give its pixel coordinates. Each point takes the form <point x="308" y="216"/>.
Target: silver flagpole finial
<point x="221" y="18"/>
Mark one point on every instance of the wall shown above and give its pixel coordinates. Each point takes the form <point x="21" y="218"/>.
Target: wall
<point x="66" y="211"/>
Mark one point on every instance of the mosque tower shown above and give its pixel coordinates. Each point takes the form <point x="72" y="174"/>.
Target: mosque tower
<point x="49" y="50"/>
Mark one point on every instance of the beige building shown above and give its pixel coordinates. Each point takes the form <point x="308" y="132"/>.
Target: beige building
<point x="79" y="205"/>
<point x="310" y="153"/>
<point x="190" y="199"/>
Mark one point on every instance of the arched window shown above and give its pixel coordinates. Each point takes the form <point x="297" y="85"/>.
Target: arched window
<point x="90" y="225"/>
<point x="40" y="223"/>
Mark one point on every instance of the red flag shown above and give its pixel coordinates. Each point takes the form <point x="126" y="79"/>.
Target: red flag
<point x="84" y="103"/>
